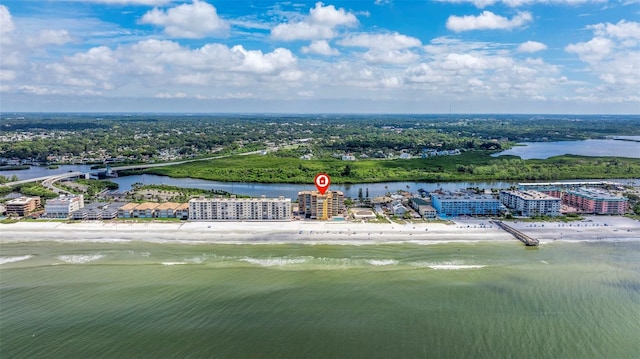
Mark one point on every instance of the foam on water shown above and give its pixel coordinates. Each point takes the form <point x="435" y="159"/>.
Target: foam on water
<point x="382" y="262"/>
<point x="274" y="261"/>
<point x="5" y="260"/>
<point x="173" y="263"/>
<point x="80" y="258"/>
<point x="448" y="266"/>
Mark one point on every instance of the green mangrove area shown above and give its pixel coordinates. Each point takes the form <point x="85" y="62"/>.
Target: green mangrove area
<point x="468" y="166"/>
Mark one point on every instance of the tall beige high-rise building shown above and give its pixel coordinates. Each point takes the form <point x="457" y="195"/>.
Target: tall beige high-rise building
<point x="314" y="205"/>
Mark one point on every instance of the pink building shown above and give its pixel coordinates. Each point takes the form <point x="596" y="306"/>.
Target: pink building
<point x="595" y="201"/>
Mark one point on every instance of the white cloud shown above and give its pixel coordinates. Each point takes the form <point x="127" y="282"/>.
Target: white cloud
<point x="7" y="75"/>
<point x="463" y="69"/>
<point x="421" y="73"/>
<point x="487" y="21"/>
<point x="195" y="20"/>
<point x="321" y="23"/>
<point x="152" y="63"/>
<point x="130" y="2"/>
<point x="395" y="57"/>
<point x="320" y="47"/>
<point x="383" y="2"/>
<point x="622" y="30"/>
<point x="531" y="46"/>
<point x="54" y="37"/>
<point x="517" y="3"/>
<point x="168" y="95"/>
<point x="391" y="41"/>
<point x="592" y="50"/>
<point x="612" y="55"/>
<point x="6" y="25"/>
<point x="257" y="62"/>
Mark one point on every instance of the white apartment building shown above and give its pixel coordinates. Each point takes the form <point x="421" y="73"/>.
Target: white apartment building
<point x="240" y="209"/>
<point x="531" y="203"/>
<point x="63" y="206"/>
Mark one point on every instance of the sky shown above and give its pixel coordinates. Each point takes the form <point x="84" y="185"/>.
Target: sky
<point x="366" y="56"/>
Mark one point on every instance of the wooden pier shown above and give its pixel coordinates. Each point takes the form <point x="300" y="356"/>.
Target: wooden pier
<point x="528" y="241"/>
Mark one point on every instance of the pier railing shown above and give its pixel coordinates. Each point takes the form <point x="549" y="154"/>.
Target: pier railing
<point x="529" y="241"/>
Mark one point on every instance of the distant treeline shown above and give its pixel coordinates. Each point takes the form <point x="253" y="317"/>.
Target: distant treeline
<point x="142" y="137"/>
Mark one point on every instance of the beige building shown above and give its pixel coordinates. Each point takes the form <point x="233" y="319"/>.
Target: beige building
<point x="22" y="206"/>
<point x="145" y="210"/>
<point x="312" y="204"/>
<point x="240" y="209"/>
<point x="126" y="211"/>
<point x="170" y="210"/>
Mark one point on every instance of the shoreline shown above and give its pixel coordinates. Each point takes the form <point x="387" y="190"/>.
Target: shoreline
<point x="318" y="232"/>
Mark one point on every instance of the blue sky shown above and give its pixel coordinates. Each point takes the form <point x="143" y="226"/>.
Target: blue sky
<point x="367" y="56"/>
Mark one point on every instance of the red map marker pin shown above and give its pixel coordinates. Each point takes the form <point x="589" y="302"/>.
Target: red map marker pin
<point x="322" y="182"/>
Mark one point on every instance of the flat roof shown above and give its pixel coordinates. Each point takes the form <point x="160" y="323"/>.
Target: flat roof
<point x="467" y="197"/>
<point x="596" y="194"/>
<point x="531" y="195"/>
<point x="419" y="201"/>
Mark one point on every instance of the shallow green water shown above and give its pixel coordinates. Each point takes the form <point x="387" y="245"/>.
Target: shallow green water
<point x="482" y="300"/>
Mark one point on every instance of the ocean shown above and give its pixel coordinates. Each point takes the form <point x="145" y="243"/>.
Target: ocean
<point x="445" y="300"/>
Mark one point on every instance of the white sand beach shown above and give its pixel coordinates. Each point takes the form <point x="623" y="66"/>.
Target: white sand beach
<point x="316" y="232"/>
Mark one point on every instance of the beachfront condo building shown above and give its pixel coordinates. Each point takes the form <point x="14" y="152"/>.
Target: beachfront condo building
<point x="595" y="201"/>
<point x="63" y="206"/>
<point x="586" y="197"/>
<point x="454" y="204"/>
<point x="22" y="206"/>
<point x="240" y="209"/>
<point x="314" y="205"/>
<point x="531" y="203"/>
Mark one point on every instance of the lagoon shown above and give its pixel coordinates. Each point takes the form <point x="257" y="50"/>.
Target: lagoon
<point x="606" y="148"/>
<point x="291" y="190"/>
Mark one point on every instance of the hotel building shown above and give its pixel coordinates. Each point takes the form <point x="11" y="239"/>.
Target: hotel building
<point x="453" y="204"/>
<point x="22" y="206"/>
<point x="531" y="203"/>
<point x="587" y="197"/>
<point x="240" y="209"/>
<point x="63" y="206"/>
<point x="314" y="205"/>
<point x="595" y="201"/>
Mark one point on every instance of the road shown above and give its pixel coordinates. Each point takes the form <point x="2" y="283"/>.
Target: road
<point x="48" y="181"/>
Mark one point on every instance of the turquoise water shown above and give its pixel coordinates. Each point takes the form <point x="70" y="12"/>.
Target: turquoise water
<point x="473" y="300"/>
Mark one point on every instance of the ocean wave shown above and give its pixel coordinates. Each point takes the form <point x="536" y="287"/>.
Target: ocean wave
<point x="80" y="258"/>
<point x="5" y="260"/>
<point x="274" y="261"/>
<point x="448" y="266"/>
<point x="173" y="263"/>
<point x="382" y="262"/>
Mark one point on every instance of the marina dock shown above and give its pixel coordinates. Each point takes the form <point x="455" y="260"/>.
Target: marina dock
<point x="528" y="241"/>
